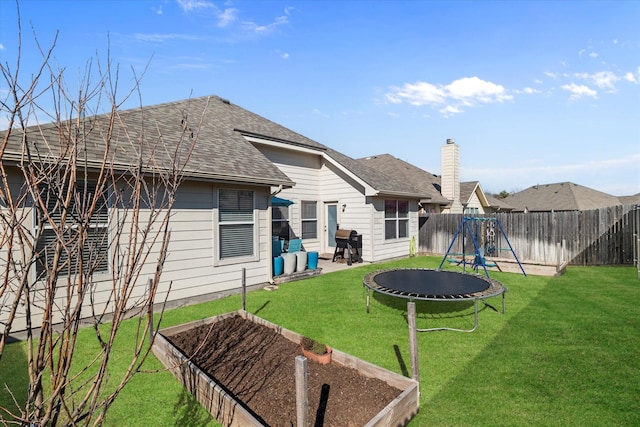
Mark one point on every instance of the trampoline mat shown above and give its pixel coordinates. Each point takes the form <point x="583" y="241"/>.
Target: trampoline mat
<point x="430" y="282"/>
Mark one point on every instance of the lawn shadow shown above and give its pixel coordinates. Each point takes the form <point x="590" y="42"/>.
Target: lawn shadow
<point x="548" y="351"/>
<point x="15" y="377"/>
<point x="401" y="362"/>
<point x="188" y="411"/>
<point x="432" y="310"/>
<point x="262" y="307"/>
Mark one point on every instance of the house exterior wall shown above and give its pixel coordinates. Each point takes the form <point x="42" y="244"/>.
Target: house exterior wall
<point x="304" y="170"/>
<point x="319" y="179"/>
<point x="392" y="248"/>
<point x="191" y="269"/>
<point x="474" y="205"/>
<point x="353" y="211"/>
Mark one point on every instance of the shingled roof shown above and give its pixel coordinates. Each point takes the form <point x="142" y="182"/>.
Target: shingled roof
<point x="498" y="204"/>
<point x="221" y="153"/>
<point x="427" y="183"/>
<point x="563" y="196"/>
<point x="630" y="200"/>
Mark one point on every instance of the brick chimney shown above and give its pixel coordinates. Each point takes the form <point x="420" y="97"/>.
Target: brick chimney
<point x="450" y="180"/>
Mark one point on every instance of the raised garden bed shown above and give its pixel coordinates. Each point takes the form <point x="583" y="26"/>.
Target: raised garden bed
<point x="242" y="369"/>
<point x="530" y="267"/>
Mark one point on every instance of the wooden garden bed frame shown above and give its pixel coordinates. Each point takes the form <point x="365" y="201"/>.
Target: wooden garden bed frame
<point x="228" y="411"/>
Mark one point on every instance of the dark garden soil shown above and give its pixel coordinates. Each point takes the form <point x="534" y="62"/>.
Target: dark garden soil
<point x="257" y="365"/>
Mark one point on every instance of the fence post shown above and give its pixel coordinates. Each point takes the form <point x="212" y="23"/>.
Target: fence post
<point x="638" y="257"/>
<point x="302" y="397"/>
<point x="413" y="340"/>
<point x="150" y="313"/>
<point x="244" y="288"/>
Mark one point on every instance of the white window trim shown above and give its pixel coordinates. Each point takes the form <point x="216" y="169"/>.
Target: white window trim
<point x="303" y="220"/>
<point x="217" y="261"/>
<point x="396" y="220"/>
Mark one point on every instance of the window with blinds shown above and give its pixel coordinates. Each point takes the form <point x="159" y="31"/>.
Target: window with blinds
<point x="75" y="249"/>
<point x="396" y="219"/>
<point x="236" y="223"/>
<point x="309" y="216"/>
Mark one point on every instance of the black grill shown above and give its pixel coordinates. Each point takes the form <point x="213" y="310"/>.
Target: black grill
<point x="348" y="241"/>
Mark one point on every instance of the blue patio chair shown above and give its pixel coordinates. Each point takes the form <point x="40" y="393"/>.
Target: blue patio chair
<point x="295" y="245"/>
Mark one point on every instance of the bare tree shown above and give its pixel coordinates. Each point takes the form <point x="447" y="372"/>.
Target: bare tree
<point x="85" y="207"/>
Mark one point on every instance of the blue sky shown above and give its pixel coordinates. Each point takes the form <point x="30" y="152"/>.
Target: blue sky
<point x="533" y="92"/>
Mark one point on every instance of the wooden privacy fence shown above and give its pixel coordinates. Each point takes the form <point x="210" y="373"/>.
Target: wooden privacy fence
<point x="606" y="236"/>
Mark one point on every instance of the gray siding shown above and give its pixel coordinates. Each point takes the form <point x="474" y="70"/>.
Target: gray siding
<point x="189" y="270"/>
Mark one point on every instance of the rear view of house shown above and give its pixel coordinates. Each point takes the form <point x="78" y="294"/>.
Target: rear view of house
<point x="222" y="220"/>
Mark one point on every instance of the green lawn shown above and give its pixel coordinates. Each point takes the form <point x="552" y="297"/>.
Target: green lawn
<point x="565" y="352"/>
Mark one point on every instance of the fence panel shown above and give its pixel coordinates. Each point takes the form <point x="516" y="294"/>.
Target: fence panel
<point x="606" y="236"/>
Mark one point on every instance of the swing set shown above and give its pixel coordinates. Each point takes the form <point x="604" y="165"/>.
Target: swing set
<point x="481" y="232"/>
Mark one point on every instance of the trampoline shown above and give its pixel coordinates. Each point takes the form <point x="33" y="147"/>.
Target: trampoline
<point x="434" y="285"/>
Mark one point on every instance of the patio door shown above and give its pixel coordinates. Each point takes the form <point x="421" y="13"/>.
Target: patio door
<point x="330" y="227"/>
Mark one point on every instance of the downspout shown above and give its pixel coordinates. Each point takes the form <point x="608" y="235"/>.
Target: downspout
<point x="269" y="233"/>
<point x="280" y="188"/>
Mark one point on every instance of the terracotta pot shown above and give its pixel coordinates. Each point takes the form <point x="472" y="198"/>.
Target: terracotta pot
<point x="323" y="359"/>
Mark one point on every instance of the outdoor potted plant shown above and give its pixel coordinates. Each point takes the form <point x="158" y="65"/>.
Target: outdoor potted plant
<point x="314" y="350"/>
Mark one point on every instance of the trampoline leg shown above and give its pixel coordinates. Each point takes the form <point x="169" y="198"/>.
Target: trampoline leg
<point x="368" y="294"/>
<point x="475" y="307"/>
<point x="475" y="325"/>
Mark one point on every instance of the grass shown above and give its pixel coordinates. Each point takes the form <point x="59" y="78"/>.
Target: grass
<point x="564" y="353"/>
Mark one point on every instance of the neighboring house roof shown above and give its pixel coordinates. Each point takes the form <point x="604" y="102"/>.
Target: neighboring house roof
<point x="223" y="151"/>
<point x="467" y="189"/>
<point x="498" y="204"/>
<point x="563" y="196"/>
<point x="427" y="183"/>
<point x="630" y="200"/>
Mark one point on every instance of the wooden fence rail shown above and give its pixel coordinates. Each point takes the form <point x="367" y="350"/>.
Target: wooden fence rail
<point x="606" y="236"/>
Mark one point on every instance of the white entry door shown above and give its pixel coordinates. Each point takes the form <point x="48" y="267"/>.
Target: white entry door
<point x="330" y="227"/>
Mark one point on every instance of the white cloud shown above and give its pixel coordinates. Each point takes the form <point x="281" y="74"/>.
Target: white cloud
<point x="605" y="79"/>
<point x="472" y="89"/>
<point x="602" y="79"/>
<point x="530" y="90"/>
<point x="579" y="91"/>
<point x="265" y="29"/>
<point x="284" y="56"/>
<point x="633" y="78"/>
<point x="464" y="92"/>
<point x="190" y="5"/>
<point x="419" y="93"/>
<point x="450" y="110"/>
<point x="227" y="17"/>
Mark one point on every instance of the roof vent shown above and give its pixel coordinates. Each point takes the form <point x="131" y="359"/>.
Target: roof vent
<point x="225" y="101"/>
